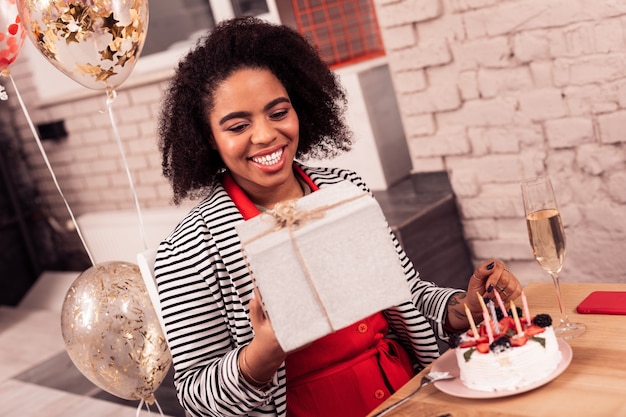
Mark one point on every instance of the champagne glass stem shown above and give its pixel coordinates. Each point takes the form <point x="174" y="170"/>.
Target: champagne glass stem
<point x="559" y="298"/>
<point x="565" y="328"/>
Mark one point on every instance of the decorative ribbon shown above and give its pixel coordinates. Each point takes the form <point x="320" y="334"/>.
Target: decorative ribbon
<point x="287" y="216"/>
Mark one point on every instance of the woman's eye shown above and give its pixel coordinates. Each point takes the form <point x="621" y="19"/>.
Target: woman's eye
<point x="279" y="114"/>
<point x="239" y="127"/>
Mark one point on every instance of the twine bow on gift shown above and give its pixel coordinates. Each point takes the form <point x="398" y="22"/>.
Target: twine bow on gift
<point x="287" y="215"/>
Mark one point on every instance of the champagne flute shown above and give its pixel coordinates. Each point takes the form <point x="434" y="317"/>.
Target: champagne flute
<point x="547" y="240"/>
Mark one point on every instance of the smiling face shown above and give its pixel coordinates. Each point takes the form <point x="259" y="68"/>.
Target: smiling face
<point x="255" y="130"/>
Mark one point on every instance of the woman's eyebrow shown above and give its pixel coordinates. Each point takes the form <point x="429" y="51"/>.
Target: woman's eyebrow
<point x="276" y="101"/>
<point x="268" y="106"/>
<point x="234" y="115"/>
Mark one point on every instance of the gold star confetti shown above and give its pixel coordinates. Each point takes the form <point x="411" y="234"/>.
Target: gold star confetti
<point x="71" y="37"/>
<point x="107" y="54"/>
<point x="110" y="23"/>
<point x="104" y="75"/>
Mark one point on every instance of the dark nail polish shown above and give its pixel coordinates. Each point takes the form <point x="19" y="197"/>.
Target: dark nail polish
<point x="490" y="288"/>
<point x="486" y="299"/>
<point x="490" y="266"/>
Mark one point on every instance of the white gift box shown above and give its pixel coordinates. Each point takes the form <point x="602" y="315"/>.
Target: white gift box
<point x="337" y="265"/>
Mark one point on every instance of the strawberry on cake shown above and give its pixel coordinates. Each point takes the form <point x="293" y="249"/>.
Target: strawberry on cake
<point x="521" y="352"/>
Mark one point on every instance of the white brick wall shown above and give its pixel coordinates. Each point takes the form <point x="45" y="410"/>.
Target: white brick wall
<point x="492" y="91"/>
<point x="515" y="89"/>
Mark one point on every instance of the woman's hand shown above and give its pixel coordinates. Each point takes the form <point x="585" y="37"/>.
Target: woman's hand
<point x="491" y="276"/>
<point x="488" y="277"/>
<point x="259" y="360"/>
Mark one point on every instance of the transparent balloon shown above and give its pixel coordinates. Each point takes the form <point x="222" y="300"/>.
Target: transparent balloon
<point x="94" y="42"/>
<point x="12" y="34"/>
<point x="112" y="333"/>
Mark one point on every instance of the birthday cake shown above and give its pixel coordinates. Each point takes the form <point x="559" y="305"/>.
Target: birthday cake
<point x="508" y="355"/>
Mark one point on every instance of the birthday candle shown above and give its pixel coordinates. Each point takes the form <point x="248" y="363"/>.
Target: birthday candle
<point x="488" y="326"/>
<point x="486" y="318"/>
<point x="482" y="302"/>
<point x="518" y="325"/>
<point x="525" y="306"/>
<point x="494" y="316"/>
<point x="471" y="322"/>
<point x="501" y="304"/>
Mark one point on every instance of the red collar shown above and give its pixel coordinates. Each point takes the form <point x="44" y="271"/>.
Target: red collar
<point x="246" y="207"/>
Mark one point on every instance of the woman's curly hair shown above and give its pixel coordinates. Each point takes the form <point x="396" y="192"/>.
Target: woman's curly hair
<point x="189" y="162"/>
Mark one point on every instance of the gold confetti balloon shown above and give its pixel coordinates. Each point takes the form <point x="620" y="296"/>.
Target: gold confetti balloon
<point x="112" y="333"/>
<point x="94" y="42"/>
<point x="12" y="34"/>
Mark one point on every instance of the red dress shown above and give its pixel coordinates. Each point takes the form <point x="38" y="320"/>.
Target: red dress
<point x="347" y="373"/>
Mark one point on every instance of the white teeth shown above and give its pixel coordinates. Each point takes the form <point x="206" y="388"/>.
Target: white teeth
<point x="270" y="159"/>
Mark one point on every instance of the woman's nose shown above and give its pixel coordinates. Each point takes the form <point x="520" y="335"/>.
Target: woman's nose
<point x="263" y="132"/>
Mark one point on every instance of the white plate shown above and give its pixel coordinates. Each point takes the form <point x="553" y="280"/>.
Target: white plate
<point x="447" y="363"/>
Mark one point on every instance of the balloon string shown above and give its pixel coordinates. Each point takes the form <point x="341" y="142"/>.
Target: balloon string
<point x="158" y="407"/>
<point x="143" y="402"/>
<point x="111" y="94"/>
<point x="54" y="178"/>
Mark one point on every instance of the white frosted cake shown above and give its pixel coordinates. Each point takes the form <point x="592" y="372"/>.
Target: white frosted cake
<point x="513" y="360"/>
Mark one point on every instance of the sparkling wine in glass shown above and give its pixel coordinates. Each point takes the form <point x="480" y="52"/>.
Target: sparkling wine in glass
<point x="547" y="240"/>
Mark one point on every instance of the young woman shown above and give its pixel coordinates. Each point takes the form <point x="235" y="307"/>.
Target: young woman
<point x="242" y="110"/>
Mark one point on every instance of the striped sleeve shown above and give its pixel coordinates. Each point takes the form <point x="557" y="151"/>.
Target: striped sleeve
<point x="204" y="307"/>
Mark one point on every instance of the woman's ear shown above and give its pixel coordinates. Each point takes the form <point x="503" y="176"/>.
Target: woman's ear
<point x="212" y="143"/>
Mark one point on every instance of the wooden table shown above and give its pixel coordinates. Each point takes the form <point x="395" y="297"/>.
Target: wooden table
<point x="594" y="384"/>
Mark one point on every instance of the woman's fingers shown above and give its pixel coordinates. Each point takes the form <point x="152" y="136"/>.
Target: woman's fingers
<point x="257" y="315"/>
<point x="493" y="276"/>
<point x="485" y="275"/>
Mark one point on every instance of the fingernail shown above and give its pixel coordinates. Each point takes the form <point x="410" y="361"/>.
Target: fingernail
<point x="490" y="266"/>
<point x="486" y="299"/>
<point x="490" y="288"/>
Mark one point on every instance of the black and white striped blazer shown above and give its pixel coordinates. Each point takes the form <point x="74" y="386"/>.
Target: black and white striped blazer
<point x="204" y="289"/>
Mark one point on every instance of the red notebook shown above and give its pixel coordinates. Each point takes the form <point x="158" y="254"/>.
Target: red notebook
<point x="603" y="302"/>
